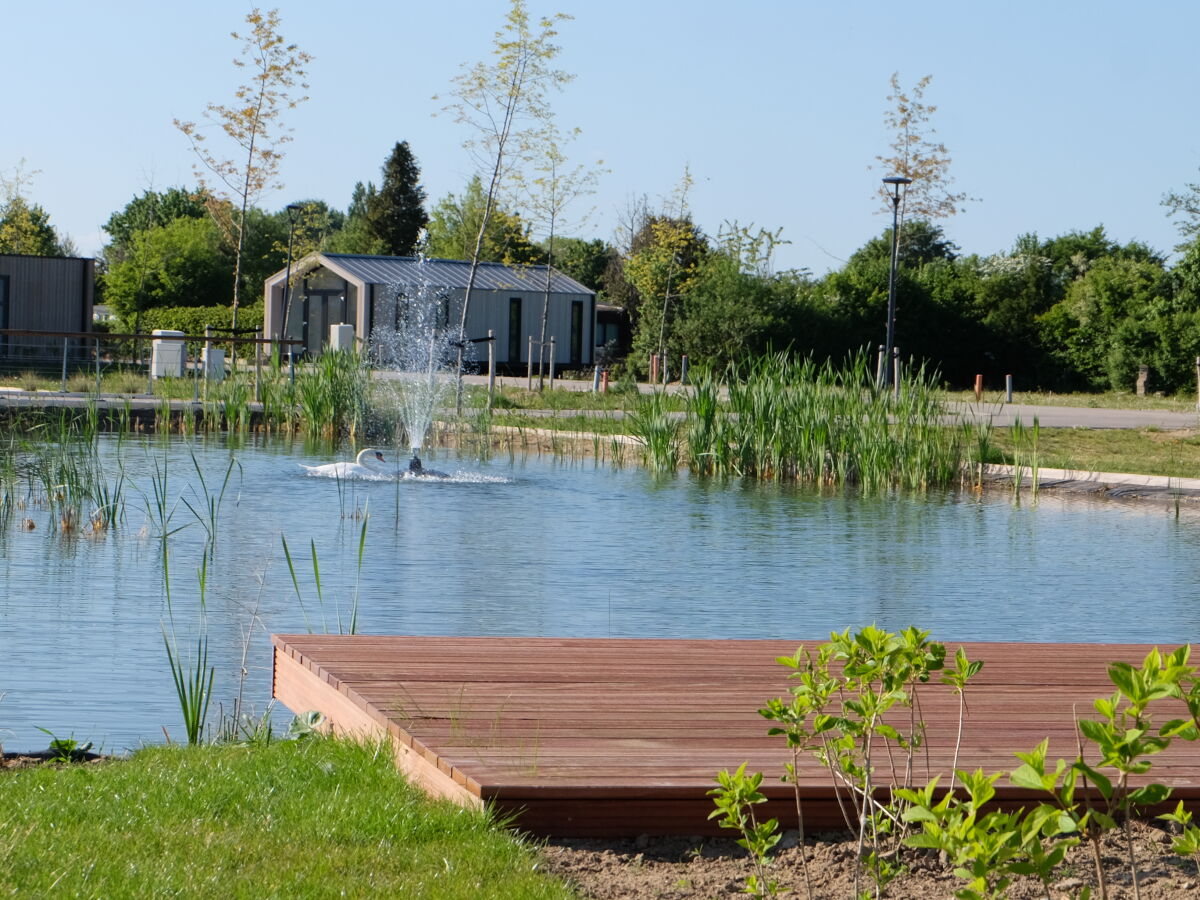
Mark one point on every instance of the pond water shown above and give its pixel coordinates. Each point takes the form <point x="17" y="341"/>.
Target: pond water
<point x="538" y="546"/>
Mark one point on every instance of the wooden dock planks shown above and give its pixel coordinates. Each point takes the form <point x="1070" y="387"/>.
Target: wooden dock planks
<point x="624" y="736"/>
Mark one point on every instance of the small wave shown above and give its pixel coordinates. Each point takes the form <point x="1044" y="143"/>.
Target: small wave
<point x="457" y="478"/>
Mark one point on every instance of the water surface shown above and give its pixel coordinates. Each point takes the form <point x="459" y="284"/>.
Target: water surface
<point x="539" y="546"/>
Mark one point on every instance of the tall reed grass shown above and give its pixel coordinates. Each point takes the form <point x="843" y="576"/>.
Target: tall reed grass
<point x="790" y="419"/>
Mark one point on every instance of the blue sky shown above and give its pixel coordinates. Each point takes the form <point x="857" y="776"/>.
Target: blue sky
<point x="1058" y="115"/>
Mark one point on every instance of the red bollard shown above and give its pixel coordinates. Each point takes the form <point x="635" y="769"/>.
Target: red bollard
<point x="604" y="381"/>
<point x="978" y="388"/>
<point x="654" y="368"/>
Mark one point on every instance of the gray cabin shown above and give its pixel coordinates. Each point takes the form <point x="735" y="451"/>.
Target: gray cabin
<point x="44" y="293"/>
<point x="331" y="289"/>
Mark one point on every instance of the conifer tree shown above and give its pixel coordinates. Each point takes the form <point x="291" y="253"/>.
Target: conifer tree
<point x="396" y="212"/>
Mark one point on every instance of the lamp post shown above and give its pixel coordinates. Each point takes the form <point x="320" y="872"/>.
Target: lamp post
<point x="292" y="210"/>
<point x="888" y="348"/>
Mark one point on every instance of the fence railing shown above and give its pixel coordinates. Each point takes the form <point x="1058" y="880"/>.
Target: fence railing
<point x="66" y="354"/>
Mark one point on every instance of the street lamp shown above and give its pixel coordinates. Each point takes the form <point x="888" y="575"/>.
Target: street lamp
<point x="895" y="181"/>
<point x="293" y="210"/>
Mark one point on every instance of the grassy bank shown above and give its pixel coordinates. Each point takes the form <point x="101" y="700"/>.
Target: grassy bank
<point x="318" y="818"/>
<point x="1142" y="451"/>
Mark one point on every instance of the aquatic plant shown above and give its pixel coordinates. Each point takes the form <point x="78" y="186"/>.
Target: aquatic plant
<point x="192" y="675"/>
<point x="332" y="394"/>
<point x="207" y="510"/>
<point x="351" y="624"/>
<point x="791" y="419"/>
<point x="655" y="426"/>
<point x="65" y="750"/>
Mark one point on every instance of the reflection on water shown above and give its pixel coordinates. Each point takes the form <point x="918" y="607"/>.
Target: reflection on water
<point x="544" y="546"/>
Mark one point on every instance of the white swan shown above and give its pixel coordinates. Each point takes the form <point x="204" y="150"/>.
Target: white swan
<point x="364" y="466"/>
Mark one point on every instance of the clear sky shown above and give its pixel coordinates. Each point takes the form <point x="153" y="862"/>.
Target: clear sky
<point x="1058" y="114"/>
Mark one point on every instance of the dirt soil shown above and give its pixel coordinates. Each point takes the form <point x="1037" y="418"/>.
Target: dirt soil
<point x="674" y="868"/>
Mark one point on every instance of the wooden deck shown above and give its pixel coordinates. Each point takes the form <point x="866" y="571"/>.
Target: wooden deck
<point x="624" y="737"/>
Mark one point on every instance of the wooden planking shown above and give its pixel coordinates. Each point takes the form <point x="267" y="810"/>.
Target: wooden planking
<point x="620" y="736"/>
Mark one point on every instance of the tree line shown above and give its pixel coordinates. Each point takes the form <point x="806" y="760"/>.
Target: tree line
<point x="1075" y="311"/>
<point x="1078" y="311"/>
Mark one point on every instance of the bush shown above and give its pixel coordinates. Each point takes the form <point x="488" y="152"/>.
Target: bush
<point x="192" y="319"/>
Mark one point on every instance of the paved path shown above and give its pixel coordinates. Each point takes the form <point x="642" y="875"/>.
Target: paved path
<point x="1003" y="414"/>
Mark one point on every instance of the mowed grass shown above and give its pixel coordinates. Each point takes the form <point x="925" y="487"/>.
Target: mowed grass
<point x="319" y="818"/>
<point x="1108" y="400"/>
<point x="1143" y="451"/>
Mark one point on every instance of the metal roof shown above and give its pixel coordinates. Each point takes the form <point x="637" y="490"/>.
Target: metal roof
<point x="452" y="273"/>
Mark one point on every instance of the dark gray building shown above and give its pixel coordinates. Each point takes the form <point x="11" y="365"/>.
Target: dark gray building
<point x="43" y="293"/>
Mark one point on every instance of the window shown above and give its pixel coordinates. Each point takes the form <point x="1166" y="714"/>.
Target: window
<point x="576" y="332"/>
<point x="3" y="310"/>
<point x="514" y="330"/>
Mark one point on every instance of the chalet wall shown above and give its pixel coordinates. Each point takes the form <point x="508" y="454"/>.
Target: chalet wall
<point x="49" y="293"/>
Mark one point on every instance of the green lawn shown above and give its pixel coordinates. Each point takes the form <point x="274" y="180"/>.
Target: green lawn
<point x="319" y="818"/>
<point x="1143" y="451"/>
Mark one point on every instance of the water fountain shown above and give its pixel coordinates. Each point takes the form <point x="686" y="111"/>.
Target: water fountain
<point x="416" y="349"/>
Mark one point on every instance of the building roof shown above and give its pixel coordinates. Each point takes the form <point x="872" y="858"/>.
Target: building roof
<point x="451" y="273"/>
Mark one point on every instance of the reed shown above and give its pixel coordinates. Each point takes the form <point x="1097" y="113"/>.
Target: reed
<point x="192" y="675"/>
<point x="790" y="419"/>
<point x="332" y="394"/>
<point x="653" y="424"/>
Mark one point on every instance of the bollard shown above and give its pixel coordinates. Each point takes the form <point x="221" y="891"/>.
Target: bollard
<point x="879" y="368"/>
<point x="596" y="380"/>
<point x="551" y="362"/>
<point x="529" y="372"/>
<point x="978" y="388"/>
<point x="604" y="381"/>
<point x="491" y="342"/>
<point x="63" y="389"/>
<point x="1008" y="389"/>
<point x="683" y="369"/>
<point x="654" y="368"/>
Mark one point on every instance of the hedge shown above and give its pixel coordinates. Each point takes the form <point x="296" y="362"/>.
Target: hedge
<point x="192" y="319"/>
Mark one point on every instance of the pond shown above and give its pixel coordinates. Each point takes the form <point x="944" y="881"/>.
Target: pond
<point x="534" y="546"/>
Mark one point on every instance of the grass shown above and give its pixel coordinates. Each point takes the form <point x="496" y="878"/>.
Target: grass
<point x="1107" y="400"/>
<point x="315" y="818"/>
<point x="1143" y="451"/>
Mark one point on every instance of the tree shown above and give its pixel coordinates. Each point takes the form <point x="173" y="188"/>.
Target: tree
<point x="316" y="225"/>
<point x="503" y="105"/>
<point x="25" y="227"/>
<point x="355" y="235"/>
<point x="183" y="262"/>
<point x="667" y="255"/>
<point x="252" y="123"/>
<point x="551" y="185"/>
<point x="584" y="260"/>
<point x="456" y="231"/>
<point x="149" y="210"/>
<point x="736" y="306"/>
<point x="664" y="256"/>
<point x="916" y="155"/>
<point x="396" y="213"/>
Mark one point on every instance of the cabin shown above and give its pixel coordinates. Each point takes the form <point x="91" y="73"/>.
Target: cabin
<point x="43" y="293"/>
<point x="331" y="289"/>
